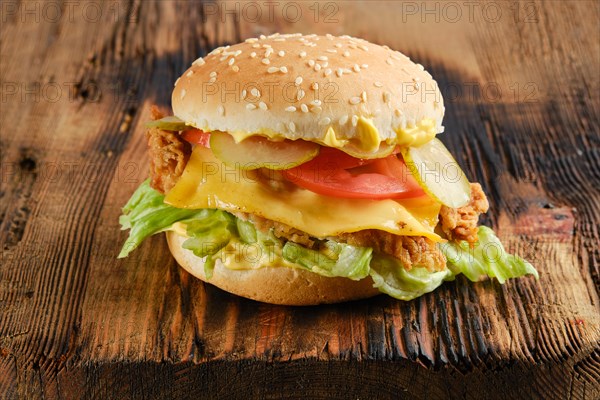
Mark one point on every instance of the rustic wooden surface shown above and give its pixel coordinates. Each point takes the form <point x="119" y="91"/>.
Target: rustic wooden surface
<point x="522" y="85"/>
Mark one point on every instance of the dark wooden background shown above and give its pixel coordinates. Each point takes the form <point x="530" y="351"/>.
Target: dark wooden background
<point x="522" y="84"/>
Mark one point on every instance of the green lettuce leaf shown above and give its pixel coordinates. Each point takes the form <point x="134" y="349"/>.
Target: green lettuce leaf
<point x="335" y="259"/>
<point x="146" y="214"/>
<point x="487" y="258"/>
<point x="391" y="278"/>
<point x="208" y="233"/>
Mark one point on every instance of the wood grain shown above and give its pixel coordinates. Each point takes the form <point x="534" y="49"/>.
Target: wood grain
<point x="75" y="322"/>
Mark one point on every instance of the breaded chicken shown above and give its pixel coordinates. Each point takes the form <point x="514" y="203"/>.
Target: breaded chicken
<point x="169" y="154"/>
<point x="461" y="223"/>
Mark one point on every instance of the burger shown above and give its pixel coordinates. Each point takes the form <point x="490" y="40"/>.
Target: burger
<point x="305" y="169"/>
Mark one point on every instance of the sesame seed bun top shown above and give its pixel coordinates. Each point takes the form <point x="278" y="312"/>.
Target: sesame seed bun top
<point x="338" y="91"/>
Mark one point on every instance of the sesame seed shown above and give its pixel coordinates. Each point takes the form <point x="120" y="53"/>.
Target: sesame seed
<point x="331" y="50"/>
<point x="255" y="92"/>
<point x="325" y="121"/>
<point x="250" y="106"/>
<point x="356" y="68"/>
<point x="339" y="72"/>
<point x="343" y="119"/>
<point x="281" y="53"/>
<point x="284" y="70"/>
<point x="212" y="74"/>
<point x="396" y="57"/>
<point x="292" y="126"/>
<point x="253" y="54"/>
<point x="298" y="80"/>
<point x="279" y="40"/>
<point x="314" y="86"/>
<point x="199" y="61"/>
<point x="316" y="110"/>
<point x="338" y="45"/>
<point x="231" y="61"/>
<point x="325" y="64"/>
<point x="190" y="73"/>
<point x="327" y="72"/>
<point x="237" y="53"/>
<point x="212" y="80"/>
<point x="389" y="61"/>
<point x="268" y="52"/>
<point x="182" y="94"/>
<point x="322" y="58"/>
<point x="262" y="37"/>
<point x="354" y="100"/>
<point x="304" y="108"/>
<point x="290" y="109"/>
<point x="302" y="54"/>
<point x="363" y="47"/>
<point x="235" y="68"/>
<point x="176" y="82"/>
<point x="317" y="67"/>
<point x="311" y="63"/>
<point x="256" y="45"/>
<point x="301" y="94"/>
<point x="378" y="84"/>
<point x="363" y="96"/>
<point x="329" y="36"/>
<point x="365" y="66"/>
<point x="316" y="102"/>
<point x="244" y="94"/>
<point x="354" y="120"/>
<point x="223" y="58"/>
<point x="262" y="105"/>
<point x="221" y="110"/>
<point x="272" y="70"/>
<point x="265" y="61"/>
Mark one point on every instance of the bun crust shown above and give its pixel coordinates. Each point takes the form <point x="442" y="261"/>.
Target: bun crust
<point x="275" y="285"/>
<point x="305" y="87"/>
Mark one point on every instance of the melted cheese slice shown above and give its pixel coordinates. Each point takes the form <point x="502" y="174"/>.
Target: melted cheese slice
<point x="207" y="183"/>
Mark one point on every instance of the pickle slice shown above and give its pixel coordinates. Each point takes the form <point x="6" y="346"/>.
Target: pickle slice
<point x="438" y="173"/>
<point x="170" y="123"/>
<point x="259" y="152"/>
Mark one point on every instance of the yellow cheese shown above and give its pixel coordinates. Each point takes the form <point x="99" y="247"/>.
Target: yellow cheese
<point x="207" y="183"/>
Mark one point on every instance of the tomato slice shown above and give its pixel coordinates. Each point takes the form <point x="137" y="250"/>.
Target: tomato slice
<point x="196" y="136"/>
<point x="351" y="178"/>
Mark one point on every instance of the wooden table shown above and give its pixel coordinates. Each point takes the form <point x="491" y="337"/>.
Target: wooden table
<point x="521" y="82"/>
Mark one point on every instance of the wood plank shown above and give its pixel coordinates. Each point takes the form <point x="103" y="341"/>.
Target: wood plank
<point x="75" y="322"/>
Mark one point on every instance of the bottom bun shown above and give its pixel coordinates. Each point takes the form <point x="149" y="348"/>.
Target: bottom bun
<point x="275" y="285"/>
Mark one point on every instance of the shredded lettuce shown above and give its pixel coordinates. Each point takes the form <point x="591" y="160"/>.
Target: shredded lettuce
<point x="208" y="234"/>
<point x="486" y="259"/>
<point x="216" y="234"/>
<point x="391" y="278"/>
<point x="335" y="259"/>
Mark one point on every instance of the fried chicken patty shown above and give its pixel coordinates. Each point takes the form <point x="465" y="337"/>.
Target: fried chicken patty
<point x="461" y="223"/>
<point x="169" y="153"/>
